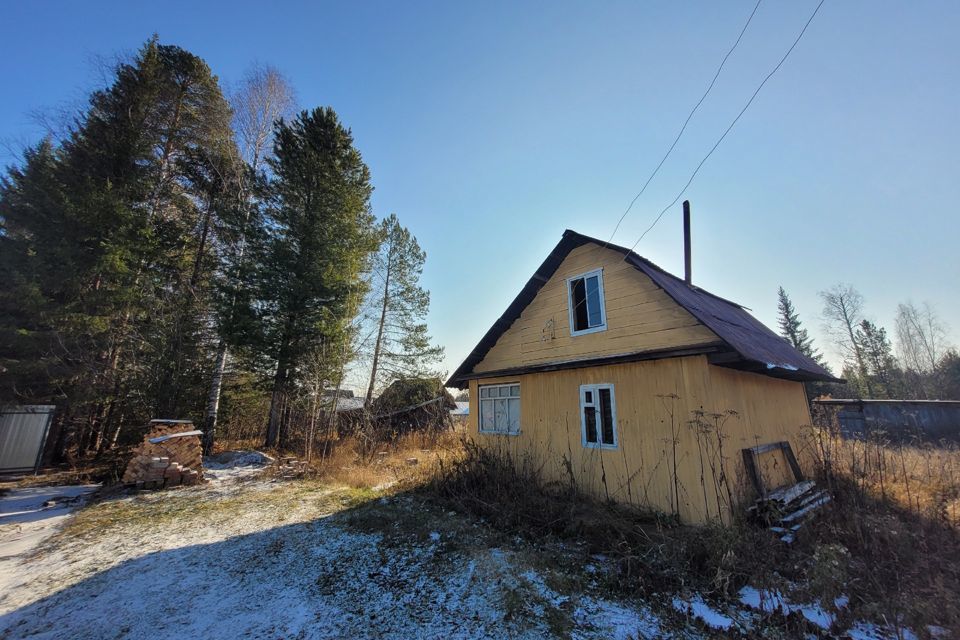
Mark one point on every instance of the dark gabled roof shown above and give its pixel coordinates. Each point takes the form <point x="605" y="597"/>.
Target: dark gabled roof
<point x="746" y="343"/>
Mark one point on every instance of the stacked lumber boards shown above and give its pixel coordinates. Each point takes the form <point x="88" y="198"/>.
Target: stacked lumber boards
<point x="289" y="468"/>
<point x="171" y="454"/>
<point x="786" y="509"/>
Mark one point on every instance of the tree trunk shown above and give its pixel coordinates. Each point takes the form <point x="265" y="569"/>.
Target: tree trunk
<point x="379" y="342"/>
<point x="213" y="399"/>
<point x="858" y="354"/>
<point x="276" y="402"/>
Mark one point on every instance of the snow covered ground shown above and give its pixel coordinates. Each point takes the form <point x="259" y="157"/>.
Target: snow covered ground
<point x="28" y="516"/>
<point x="248" y="556"/>
<point x="242" y="557"/>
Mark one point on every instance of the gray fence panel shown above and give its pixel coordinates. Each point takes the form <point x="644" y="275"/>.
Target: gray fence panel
<point x="23" y="432"/>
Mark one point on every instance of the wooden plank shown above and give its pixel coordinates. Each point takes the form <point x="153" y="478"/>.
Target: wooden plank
<point x="750" y="464"/>
<point x="800" y="513"/>
<point x="764" y="448"/>
<point x="789" y="494"/>
<point x="792" y="460"/>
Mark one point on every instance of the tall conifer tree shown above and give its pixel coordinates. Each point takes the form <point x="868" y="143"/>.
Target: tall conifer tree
<point x="304" y="280"/>
<point x="793" y="330"/>
<point x="132" y="203"/>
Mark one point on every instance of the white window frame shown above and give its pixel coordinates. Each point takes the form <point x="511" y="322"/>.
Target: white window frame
<point x="595" y="388"/>
<point x="603" y="311"/>
<point x="482" y="400"/>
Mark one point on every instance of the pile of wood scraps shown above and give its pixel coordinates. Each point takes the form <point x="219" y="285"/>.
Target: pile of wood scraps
<point x="783" y="510"/>
<point x="170" y="455"/>
<point x="289" y="468"/>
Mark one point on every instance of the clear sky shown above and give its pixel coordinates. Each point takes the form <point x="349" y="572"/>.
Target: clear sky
<point x="490" y="127"/>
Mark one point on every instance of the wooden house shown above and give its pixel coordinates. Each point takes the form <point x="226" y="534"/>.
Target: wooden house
<point x="608" y="372"/>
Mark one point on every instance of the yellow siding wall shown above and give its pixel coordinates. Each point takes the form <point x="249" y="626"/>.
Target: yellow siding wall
<point x="641" y="470"/>
<point x="640" y="317"/>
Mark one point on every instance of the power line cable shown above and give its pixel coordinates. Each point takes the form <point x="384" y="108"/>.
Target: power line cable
<point x="728" y="129"/>
<point x="685" y="123"/>
<point x="735" y="120"/>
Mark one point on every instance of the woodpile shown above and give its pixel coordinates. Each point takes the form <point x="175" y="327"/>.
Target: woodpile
<point x="289" y="468"/>
<point x="170" y="455"/>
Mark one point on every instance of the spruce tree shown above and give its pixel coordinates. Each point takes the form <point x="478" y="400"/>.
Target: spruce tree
<point x="798" y="336"/>
<point x="304" y="277"/>
<point x="795" y="333"/>
<point x="132" y="201"/>
<point x="402" y="346"/>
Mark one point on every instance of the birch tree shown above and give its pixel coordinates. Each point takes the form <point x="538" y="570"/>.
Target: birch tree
<point x="263" y="97"/>
<point x="842" y="314"/>
<point x="921" y="337"/>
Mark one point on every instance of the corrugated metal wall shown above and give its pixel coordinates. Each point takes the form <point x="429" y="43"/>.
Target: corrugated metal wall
<point x="23" y="432"/>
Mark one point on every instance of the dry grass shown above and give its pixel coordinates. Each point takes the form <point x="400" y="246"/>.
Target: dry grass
<point x="889" y="544"/>
<point x="896" y="523"/>
<point x="889" y="541"/>
<point x="922" y="478"/>
<point x="655" y="552"/>
<point x="364" y="462"/>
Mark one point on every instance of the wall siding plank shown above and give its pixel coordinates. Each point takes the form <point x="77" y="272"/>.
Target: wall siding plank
<point x="655" y="404"/>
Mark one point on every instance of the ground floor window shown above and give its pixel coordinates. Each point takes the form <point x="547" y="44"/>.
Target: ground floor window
<point x="500" y="408"/>
<point x="598" y="416"/>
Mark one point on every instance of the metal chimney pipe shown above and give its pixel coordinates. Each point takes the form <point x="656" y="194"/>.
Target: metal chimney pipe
<point x="687" y="269"/>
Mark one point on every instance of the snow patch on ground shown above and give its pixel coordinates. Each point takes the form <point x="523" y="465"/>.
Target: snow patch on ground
<point x="28" y="516"/>
<point x="769" y="601"/>
<point x="620" y="622"/>
<point x="235" y="465"/>
<point x="698" y="608"/>
<point x="869" y="631"/>
<point x="774" y="601"/>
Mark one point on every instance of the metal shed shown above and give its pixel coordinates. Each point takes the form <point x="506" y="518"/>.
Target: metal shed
<point x="23" y="433"/>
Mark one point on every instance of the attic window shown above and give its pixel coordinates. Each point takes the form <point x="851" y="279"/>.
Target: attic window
<point x="585" y="296"/>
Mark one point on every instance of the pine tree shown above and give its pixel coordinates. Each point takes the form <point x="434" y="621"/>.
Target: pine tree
<point x="881" y="365"/>
<point x="304" y="279"/>
<point x="37" y="266"/>
<point x="402" y="346"/>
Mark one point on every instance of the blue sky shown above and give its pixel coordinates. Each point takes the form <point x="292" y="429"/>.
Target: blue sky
<point x="491" y="127"/>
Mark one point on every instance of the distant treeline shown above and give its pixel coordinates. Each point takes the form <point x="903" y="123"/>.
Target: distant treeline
<point x="924" y="365"/>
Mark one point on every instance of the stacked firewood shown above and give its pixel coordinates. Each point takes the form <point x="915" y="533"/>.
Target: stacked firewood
<point x="170" y="455"/>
